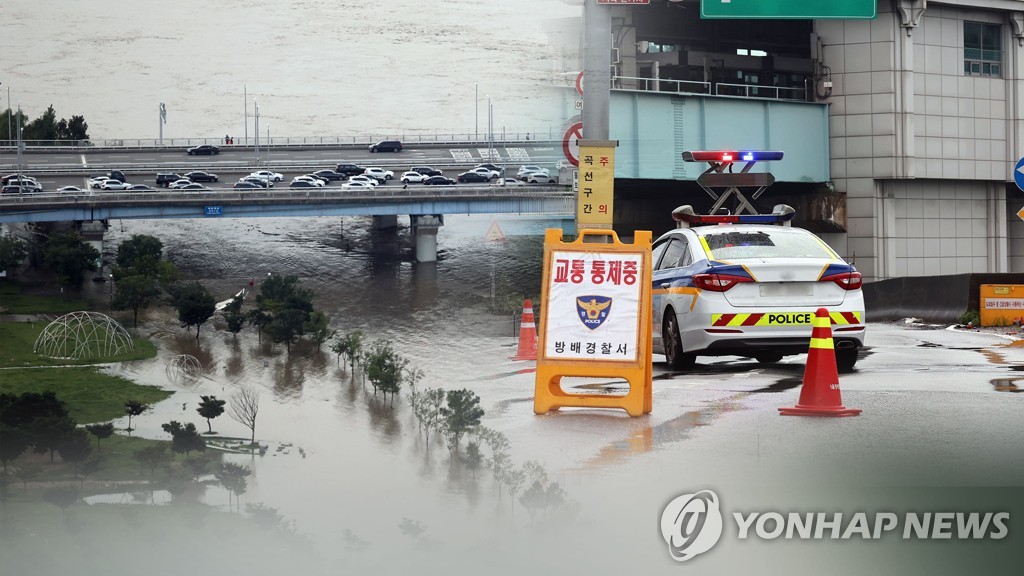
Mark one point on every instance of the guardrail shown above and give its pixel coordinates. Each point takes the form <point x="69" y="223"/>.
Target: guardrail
<point x="502" y="137"/>
<point x="230" y="195"/>
<point x="757" y="91"/>
<point x="660" y="85"/>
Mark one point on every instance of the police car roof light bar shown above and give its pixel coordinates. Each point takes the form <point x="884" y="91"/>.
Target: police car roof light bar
<point x="729" y="156"/>
<point x="686" y="216"/>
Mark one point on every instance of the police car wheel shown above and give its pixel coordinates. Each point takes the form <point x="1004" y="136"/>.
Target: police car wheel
<point x="677" y="359"/>
<point x="770" y="358"/>
<point x="846" y="358"/>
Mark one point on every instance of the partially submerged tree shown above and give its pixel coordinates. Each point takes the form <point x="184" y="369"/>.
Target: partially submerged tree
<point x="384" y="368"/>
<point x="194" y="303"/>
<point x="134" y="293"/>
<point x="234" y="316"/>
<point x="210" y="407"/>
<point x="462" y="413"/>
<point x="317" y="328"/>
<point x="245" y="406"/>
<point x="184" y="438"/>
<point x="232" y="477"/>
<point x="100" y="431"/>
<point x="134" y="408"/>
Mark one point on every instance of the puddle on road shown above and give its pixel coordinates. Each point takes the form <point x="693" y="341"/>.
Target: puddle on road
<point x="1006" y="384"/>
<point x="650" y="438"/>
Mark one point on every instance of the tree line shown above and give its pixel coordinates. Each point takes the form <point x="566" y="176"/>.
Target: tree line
<point x="45" y="127"/>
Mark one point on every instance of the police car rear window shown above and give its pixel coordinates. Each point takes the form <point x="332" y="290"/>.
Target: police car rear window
<point x="739" y="244"/>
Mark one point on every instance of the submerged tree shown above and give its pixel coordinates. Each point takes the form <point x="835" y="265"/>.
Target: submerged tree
<point x="184" y="438"/>
<point x="195" y="305"/>
<point x="135" y="293"/>
<point x="100" y="431"/>
<point x="134" y="408"/>
<point x="317" y="328"/>
<point x="245" y="405"/>
<point x="384" y="368"/>
<point x="210" y="408"/>
<point x="462" y="413"/>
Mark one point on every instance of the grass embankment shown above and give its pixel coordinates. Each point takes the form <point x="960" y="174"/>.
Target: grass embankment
<point x="90" y="395"/>
<point x="18" y="338"/>
<point x="14" y="300"/>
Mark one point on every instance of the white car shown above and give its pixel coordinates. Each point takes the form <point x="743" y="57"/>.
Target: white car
<point x="97" y="181"/>
<point x="379" y="173"/>
<point x="111" y="184"/>
<point x="490" y="174"/>
<point x="413" y="177"/>
<point x="527" y="169"/>
<point x="364" y="178"/>
<point x="312" y="180"/>
<point x="268" y="176"/>
<point x="740" y="286"/>
<point x="541" y="177"/>
<point x="358" y="185"/>
<point x="509" y="182"/>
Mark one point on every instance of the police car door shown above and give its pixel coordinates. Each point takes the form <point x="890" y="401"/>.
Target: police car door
<point x="668" y="256"/>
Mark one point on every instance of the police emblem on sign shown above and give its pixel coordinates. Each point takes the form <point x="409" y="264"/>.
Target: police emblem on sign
<point x="593" y="310"/>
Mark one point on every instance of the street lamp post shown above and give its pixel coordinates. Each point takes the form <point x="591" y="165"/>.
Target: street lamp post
<point x="21" y="146"/>
<point x="256" y="107"/>
<point x="476" y="110"/>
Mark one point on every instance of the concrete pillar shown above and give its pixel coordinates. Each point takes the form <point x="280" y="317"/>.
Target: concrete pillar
<point x="385" y="222"/>
<point x="425" y="229"/>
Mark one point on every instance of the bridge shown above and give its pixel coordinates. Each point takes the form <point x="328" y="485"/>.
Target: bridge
<point x="425" y="205"/>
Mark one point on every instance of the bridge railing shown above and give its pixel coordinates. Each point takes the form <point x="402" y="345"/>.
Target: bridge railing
<point x="499" y="137"/>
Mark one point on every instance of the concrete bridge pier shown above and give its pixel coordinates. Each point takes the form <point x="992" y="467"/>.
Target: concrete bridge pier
<point x="424" y="228"/>
<point x="388" y="222"/>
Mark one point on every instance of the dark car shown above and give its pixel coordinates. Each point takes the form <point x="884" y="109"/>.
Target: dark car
<point x="116" y="175"/>
<point x="467" y="177"/>
<point x="387" y="146"/>
<point x="14" y="189"/>
<point x="200" y="176"/>
<point x="425" y="170"/>
<point x="6" y="179"/>
<point x="207" y="149"/>
<point x="302" y="184"/>
<point x="349" y="169"/>
<point x="165" y="178"/>
<point x="259" y="182"/>
<point x="138" y="187"/>
<point x="245" y="184"/>
<point x="329" y="175"/>
<point x="439" y="181"/>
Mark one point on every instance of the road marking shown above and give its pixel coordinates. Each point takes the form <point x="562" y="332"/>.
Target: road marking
<point x="84" y="163"/>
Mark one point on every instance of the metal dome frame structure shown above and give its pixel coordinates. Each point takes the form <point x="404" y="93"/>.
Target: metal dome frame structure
<point x="83" y="335"/>
<point x="183" y="368"/>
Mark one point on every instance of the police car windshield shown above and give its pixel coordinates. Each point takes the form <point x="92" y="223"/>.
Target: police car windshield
<point x="783" y="243"/>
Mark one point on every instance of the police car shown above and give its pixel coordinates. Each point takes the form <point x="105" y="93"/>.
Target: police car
<point x="749" y="285"/>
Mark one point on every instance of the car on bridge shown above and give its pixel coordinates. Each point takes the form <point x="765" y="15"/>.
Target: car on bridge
<point x="193" y="186"/>
<point x="246" y="185"/>
<point x="97" y="181"/>
<point x="413" y="178"/>
<point x="364" y="178"/>
<point x="380" y="174"/>
<point x="357" y="185"/>
<point x="387" y="146"/>
<point x="28" y="184"/>
<point x="541" y="177"/>
<point x="256" y="180"/>
<point x="165" y="178"/>
<point x="492" y="167"/>
<point x="527" y="169"/>
<point x="470" y="177"/>
<point x="439" y="181"/>
<point x="509" y="182"/>
<point x="203" y="149"/>
<point x="16" y="189"/>
<point x="296" y="183"/>
<point x="140" y="188"/>
<point x="71" y="190"/>
<point x="179" y="184"/>
<point x="111" y="184"/>
<point x="314" y="181"/>
<point x="329" y="175"/>
<point x="5" y="180"/>
<point x="268" y="175"/>
<point x="349" y="169"/>
<point x="200" y="176"/>
<point x="490" y="174"/>
<point x="426" y="170"/>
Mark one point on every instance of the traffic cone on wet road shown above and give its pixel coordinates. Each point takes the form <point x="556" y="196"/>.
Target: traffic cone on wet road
<point x="819" y="394"/>
<point x="527" y="349"/>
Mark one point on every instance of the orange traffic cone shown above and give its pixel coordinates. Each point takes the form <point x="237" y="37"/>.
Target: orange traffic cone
<point x="819" y="394"/>
<point x="527" y="349"/>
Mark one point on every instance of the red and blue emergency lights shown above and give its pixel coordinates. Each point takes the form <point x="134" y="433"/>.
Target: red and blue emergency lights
<point x="730" y="156"/>
<point x="686" y="214"/>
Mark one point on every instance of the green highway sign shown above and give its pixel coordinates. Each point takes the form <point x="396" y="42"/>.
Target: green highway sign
<point x="795" y="9"/>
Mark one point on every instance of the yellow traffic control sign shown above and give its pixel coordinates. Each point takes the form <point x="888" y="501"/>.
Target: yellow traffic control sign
<point x="595" y="320"/>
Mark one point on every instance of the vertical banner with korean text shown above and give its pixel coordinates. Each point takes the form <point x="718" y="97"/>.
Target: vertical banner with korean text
<point x="594" y="201"/>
